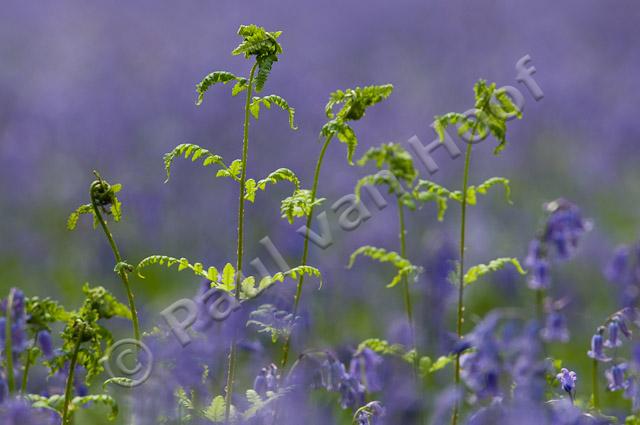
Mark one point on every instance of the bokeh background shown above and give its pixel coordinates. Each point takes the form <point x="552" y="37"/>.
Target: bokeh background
<point x="111" y="86"/>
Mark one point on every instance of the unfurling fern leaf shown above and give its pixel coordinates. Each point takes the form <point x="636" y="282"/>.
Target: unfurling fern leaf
<point x="387" y="179"/>
<point x="426" y="191"/>
<point x="72" y="221"/>
<point x="267" y="101"/>
<point x="268" y="319"/>
<point x="354" y="105"/>
<point x="475" y="272"/>
<point x="298" y="205"/>
<point x="396" y="158"/>
<point x="183" y="264"/>
<point x="196" y="152"/>
<point x="402" y="265"/>
<point x="263" y="45"/>
<point x="294" y="273"/>
<point x="279" y="175"/>
<point x="219" y="77"/>
<point x="483" y="188"/>
<point x="215" y="412"/>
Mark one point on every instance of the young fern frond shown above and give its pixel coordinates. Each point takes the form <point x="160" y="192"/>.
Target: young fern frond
<point x="198" y="269"/>
<point x="193" y="152"/>
<point x="250" y="292"/>
<point x="396" y="158"/>
<point x="267" y="101"/>
<point x="483" y="188"/>
<point x="354" y="105"/>
<point x="222" y="77"/>
<point x="490" y="118"/>
<point x="279" y="175"/>
<point x="476" y="272"/>
<point x="72" y="221"/>
<point x="299" y="204"/>
<point x="402" y="265"/>
<point x="384" y="178"/>
<point x="427" y="191"/>
<point x="263" y="45"/>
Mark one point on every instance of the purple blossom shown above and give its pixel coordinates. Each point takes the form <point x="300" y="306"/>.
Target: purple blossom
<point x="364" y="364"/>
<point x="567" y="380"/>
<point x="45" y="343"/>
<point x="536" y="260"/>
<point x="597" y="347"/>
<point x="267" y="380"/>
<point x="615" y="376"/>
<point x="565" y="225"/>
<point x="555" y="328"/>
<point x="370" y="414"/>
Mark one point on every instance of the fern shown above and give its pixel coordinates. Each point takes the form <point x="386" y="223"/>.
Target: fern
<point x="279" y="175"/>
<point x="263" y="45"/>
<point x="183" y="264"/>
<point x="215" y="412"/>
<point x="267" y="101"/>
<point x="398" y="161"/>
<point x="299" y="204"/>
<point x="475" y="272"/>
<point x="268" y="319"/>
<point x="483" y="188"/>
<point x="195" y="152"/>
<point x="382" y="346"/>
<point x="268" y="281"/>
<point x="402" y="265"/>
<point x="219" y="77"/>
<point x="72" y="221"/>
<point x="354" y="104"/>
<point x="426" y="191"/>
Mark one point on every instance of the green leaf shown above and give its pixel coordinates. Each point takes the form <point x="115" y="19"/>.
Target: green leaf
<point x="263" y="45"/>
<point x="300" y="204"/>
<point x="216" y="410"/>
<point x="72" y="221"/>
<point x="218" y="77"/>
<point x="427" y="191"/>
<point x="383" y="347"/>
<point x="196" y="152"/>
<point x="396" y="159"/>
<point x="475" y="272"/>
<point x="404" y="268"/>
<point x="268" y="281"/>
<point x="164" y="260"/>
<point x="107" y="400"/>
<point x="228" y="277"/>
<point x="267" y="101"/>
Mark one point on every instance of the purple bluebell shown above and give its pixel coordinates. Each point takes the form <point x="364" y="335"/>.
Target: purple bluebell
<point x="18" y="316"/>
<point x="536" y="261"/>
<point x="597" y="347"/>
<point x="19" y="412"/>
<point x="567" y="379"/>
<point x="364" y="364"/>
<point x="45" y="343"/>
<point x="613" y="337"/>
<point x="370" y="414"/>
<point x="615" y="376"/>
<point x="4" y="391"/>
<point x="632" y="392"/>
<point x="565" y="225"/>
<point x="555" y="328"/>
<point x="267" y="380"/>
<point x="352" y="392"/>
<point x="332" y="373"/>
<point x="616" y="269"/>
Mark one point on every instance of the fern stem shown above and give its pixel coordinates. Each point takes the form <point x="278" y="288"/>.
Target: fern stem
<point x="66" y="419"/>
<point x="8" y="348"/>
<point x="405" y="288"/>
<point x="27" y="367"/>
<point x="463" y="225"/>
<point x="595" y="395"/>
<point x="240" y="242"/>
<point x="122" y="273"/>
<point x="305" y="252"/>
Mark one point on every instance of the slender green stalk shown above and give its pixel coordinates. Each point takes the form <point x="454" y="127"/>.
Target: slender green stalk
<point x="463" y="224"/>
<point x="66" y="418"/>
<point x="8" y="348"/>
<point x="594" y="383"/>
<point x="27" y="367"/>
<point x="122" y="273"/>
<point x="405" y="289"/>
<point x="305" y="252"/>
<point x="243" y="178"/>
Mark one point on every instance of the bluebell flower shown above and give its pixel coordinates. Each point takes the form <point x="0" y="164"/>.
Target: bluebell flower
<point x="555" y="328"/>
<point x="567" y="380"/>
<point x="597" y="347"/>
<point x="536" y="261"/>
<point x="615" y="376"/>
<point x="267" y="380"/>
<point x="351" y="391"/>
<point x="19" y="412"/>
<point x="565" y="225"/>
<point x="45" y="343"/>
<point x="613" y="339"/>
<point x="370" y="414"/>
<point x="332" y="373"/>
<point x="616" y="269"/>
<point x="632" y="392"/>
<point x="19" y="340"/>
<point x="364" y="364"/>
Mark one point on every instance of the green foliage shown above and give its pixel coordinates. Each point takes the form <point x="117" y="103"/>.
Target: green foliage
<point x="482" y="189"/>
<point x="104" y="196"/>
<point x="267" y="101"/>
<point x="196" y="152"/>
<point x="402" y="265"/>
<point x="279" y="175"/>
<point x="476" y="272"/>
<point x="490" y="118"/>
<point x="354" y="105"/>
<point x="215" y="412"/>
<point x="382" y="346"/>
<point x="299" y="204"/>
<point x="55" y="403"/>
<point x="428" y="366"/>
<point x="42" y="312"/>
<point x="268" y="319"/>
<point x="183" y="264"/>
<point x="396" y="159"/>
<point x="263" y="45"/>
<point x="255" y="403"/>
<point x="72" y="221"/>
<point x="250" y="292"/>
<point x="219" y="77"/>
<point x="427" y="191"/>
